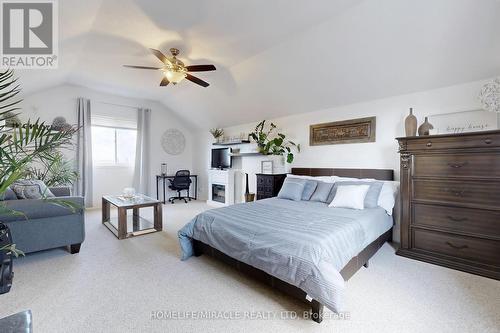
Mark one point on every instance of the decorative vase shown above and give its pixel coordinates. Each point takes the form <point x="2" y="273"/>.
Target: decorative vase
<point x="6" y="274"/>
<point x="249" y="197"/>
<point x="425" y="127"/>
<point x="411" y="124"/>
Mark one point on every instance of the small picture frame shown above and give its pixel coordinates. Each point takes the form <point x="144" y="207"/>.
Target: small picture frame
<point x="266" y="167"/>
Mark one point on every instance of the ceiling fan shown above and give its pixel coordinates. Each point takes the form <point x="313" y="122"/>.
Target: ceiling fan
<point x="175" y="70"/>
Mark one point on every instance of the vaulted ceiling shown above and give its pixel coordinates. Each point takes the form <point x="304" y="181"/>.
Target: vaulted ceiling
<point x="274" y="57"/>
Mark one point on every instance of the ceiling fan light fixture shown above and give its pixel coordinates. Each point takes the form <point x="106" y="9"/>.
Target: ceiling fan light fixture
<point x="175" y="71"/>
<point x="175" y="76"/>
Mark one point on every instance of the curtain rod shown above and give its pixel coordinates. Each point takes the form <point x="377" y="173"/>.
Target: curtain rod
<point x="120" y="105"/>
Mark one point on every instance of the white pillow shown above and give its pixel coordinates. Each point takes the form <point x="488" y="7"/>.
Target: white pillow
<point x="350" y="196"/>
<point x="388" y="194"/>
<point x="387" y="197"/>
<point x="324" y="179"/>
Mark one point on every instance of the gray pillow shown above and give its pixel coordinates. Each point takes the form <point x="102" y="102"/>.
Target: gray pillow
<point x="371" y="199"/>
<point x="322" y="191"/>
<point x="8" y="195"/>
<point x="31" y="189"/>
<point x="309" y="189"/>
<point x="292" y="189"/>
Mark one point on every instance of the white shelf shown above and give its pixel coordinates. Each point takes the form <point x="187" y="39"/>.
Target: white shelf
<point x="254" y="153"/>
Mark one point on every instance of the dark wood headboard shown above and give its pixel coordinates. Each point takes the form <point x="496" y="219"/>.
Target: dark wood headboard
<point x="380" y="174"/>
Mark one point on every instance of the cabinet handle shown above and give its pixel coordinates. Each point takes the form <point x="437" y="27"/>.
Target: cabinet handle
<point x="457" y="219"/>
<point x="429" y="144"/>
<point x="488" y="141"/>
<point x="457" y="165"/>
<point x="457" y="193"/>
<point x="456" y="247"/>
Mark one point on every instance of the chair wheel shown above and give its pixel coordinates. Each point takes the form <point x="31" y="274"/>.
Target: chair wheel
<point x="172" y="202"/>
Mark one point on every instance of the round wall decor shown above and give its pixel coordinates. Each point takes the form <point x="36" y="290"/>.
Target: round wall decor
<point x="173" y="141"/>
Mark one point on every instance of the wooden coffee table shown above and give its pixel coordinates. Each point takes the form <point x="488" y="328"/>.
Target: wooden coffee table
<point x="129" y="226"/>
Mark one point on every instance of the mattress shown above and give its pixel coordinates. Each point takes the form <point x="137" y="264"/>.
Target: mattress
<point x="303" y="243"/>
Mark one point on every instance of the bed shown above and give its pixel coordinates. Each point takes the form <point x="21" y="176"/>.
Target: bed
<point x="302" y="248"/>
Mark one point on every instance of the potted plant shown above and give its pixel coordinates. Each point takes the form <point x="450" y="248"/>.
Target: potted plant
<point x="217" y="133"/>
<point x="19" y="147"/>
<point x="54" y="171"/>
<point x="270" y="144"/>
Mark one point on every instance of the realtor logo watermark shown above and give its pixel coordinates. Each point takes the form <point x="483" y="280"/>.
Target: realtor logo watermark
<point x="29" y="34"/>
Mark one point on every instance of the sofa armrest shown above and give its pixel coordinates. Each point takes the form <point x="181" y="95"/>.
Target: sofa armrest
<point x="61" y="191"/>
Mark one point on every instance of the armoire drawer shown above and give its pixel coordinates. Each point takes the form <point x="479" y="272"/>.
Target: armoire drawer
<point x="478" y="140"/>
<point x="458" y="165"/>
<point x="469" y="248"/>
<point x="485" y="194"/>
<point x="458" y="220"/>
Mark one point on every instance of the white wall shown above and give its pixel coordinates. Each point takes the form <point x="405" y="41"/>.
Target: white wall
<point x="61" y="101"/>
<point x="383" y="153"/>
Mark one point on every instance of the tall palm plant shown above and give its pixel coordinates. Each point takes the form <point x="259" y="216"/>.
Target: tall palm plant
<point x="22" y="144"/>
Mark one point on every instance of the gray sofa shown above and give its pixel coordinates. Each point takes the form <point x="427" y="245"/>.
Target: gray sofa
<point x="42" y="225"/>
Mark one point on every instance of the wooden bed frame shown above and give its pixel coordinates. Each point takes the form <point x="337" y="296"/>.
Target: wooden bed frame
<point x="349" y="269"/>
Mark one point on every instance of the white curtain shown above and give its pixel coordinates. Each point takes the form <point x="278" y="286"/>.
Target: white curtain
<point x="83" y="187"/>
<point x="142" y="152"/>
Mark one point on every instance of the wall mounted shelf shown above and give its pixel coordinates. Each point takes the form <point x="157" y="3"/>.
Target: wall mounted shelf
<point x="230" y="143"/>
<point x="245" y="154"/>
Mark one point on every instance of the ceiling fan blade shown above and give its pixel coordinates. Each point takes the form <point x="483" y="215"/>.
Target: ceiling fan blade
<point x="160" y="56"/>
<point x="141" y="67"/>
<point x="200" y="68"/>
<point x="164" y="82"/>
<point x="196" y="80"/>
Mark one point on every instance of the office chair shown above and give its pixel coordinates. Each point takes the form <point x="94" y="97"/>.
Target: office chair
<point x="181" y="182"/>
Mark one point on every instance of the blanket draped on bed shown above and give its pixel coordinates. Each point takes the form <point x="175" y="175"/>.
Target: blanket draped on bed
<point x="297" y="243"/>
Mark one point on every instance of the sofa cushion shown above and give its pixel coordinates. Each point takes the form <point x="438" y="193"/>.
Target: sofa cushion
<point x="31" y="189"/>
<point x="8" y="195"/>
<point x="15" y="210"/>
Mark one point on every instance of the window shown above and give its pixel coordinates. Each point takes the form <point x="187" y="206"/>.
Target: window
<point x="114" y="134"/>
<point x="113" y="145"/>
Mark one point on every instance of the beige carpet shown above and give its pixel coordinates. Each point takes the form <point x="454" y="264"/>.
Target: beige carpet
<point x="114" y="286"/>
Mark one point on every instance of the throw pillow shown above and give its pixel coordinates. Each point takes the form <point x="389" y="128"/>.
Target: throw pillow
<point x="350" y="196"/>
<point x="292" y="189"/>
<point x="322" y="191"/>
<point x="388" y="194"/>
<point x="371" y="199"/>
<point x="8" y="195"/>
<point x="309" y="188"/>
<point x="31" y="189"/>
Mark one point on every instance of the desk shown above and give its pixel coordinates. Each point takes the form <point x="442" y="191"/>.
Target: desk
<point x="164" y="178"/>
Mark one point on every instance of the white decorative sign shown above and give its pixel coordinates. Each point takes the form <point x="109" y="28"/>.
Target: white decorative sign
<point x="462" y="122"/>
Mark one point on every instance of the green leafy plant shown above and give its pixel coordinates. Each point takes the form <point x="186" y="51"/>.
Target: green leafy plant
<point x="54" y="170"/>
<point x="24" y="143"/>
<point x="12" y="248"/>
<point x="270" y="143"/>
<point x="216" y="132"/>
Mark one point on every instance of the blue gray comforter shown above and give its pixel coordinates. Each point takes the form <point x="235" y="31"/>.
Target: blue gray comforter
<point x="303" y="243"/>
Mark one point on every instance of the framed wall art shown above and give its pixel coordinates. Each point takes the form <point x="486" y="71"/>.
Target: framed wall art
<point x="346" y="131"/>
<point x="266" y="167"/>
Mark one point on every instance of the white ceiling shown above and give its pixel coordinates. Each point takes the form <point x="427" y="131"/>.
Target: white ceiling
<point x="274" y="57"/>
